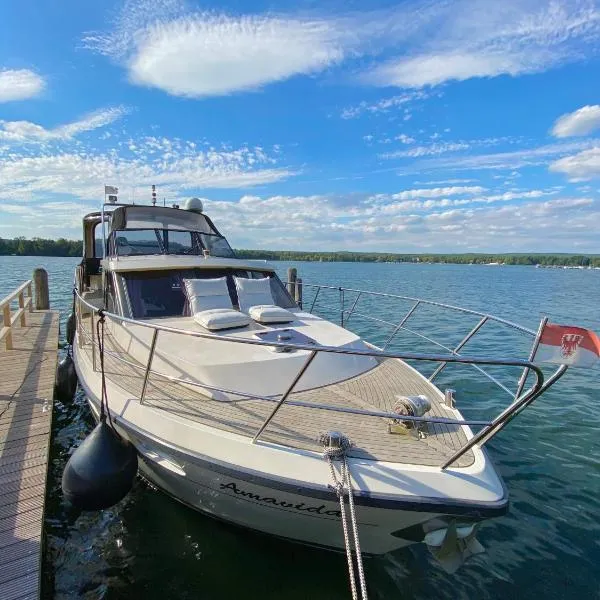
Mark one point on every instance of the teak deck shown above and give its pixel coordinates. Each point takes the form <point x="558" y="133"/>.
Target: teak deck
<point x="27" y="374"/>
<point x="298" y="426"/>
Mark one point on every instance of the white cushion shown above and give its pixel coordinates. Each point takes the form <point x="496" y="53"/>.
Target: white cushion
<point x="221" y="318"/>
<point x="252" y="292"/>
<point x="205" y="294"/>
<point x="269" y="313"/>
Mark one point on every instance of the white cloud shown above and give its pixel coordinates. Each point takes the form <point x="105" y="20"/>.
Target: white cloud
<point x="430" y="150"/>
<point x="178" y="170"/>
<point x="482" y="38"/>
<point x="385" y="105"/>
<point x="204" y="54"/>
<point x="27" y="132"/>
<point x="581" y="122"/>
<point x="579" y="167"/>
<point x="515" y="159"/>
<point x="438" y="192"/>
<point x="19" y="84"/>
<point x="405" y="139"/>
<point x="325" y="223"/>
<point x="198" y="54"/>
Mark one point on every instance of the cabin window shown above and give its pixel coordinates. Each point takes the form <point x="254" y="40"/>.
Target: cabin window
<point x="160" y="293"/>
<point x="132" y="242"/>
<point x="135" y="242"/>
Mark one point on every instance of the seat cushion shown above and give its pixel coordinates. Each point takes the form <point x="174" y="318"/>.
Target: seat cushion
<point x="206" y="294"/>
<point x="269" y="313"/>
<point x="221" y="318"/>
<point x="252" y="292"/>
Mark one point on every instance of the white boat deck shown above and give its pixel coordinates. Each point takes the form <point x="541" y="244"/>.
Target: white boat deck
<point x="298" y="426"/>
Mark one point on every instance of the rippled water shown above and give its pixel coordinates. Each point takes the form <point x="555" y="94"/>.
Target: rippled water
<point x="547" y="546"/>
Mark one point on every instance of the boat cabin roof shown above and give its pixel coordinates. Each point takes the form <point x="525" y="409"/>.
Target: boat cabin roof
<point x="138" y="230"/>
<point x="157" y="262"/>
<point x="159" y="217"/>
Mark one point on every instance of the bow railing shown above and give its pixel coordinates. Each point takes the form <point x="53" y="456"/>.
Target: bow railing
<point x="488" y="428"/>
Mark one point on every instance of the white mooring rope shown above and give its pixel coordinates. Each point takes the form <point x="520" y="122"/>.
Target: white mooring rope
<point x="336" y="446"/>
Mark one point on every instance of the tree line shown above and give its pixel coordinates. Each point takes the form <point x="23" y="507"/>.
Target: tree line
<point x="43" y="247"/>
<point x="20" y="246"/>
<point x="573" y="260"/>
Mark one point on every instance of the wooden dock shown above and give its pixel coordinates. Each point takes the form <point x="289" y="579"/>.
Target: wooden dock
<point x="28" y="356"/>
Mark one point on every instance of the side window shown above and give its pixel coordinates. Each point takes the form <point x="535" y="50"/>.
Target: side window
<point x="98" y="241"/>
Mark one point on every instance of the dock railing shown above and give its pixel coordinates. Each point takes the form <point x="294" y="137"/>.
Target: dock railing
<point x="23" y="297"/>
<point x="489" y="427"/>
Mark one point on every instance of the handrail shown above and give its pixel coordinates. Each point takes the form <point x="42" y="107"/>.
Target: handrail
<point x="10" y="297"/>
<point x="329" y="349"/>
<point x="245" y="397"/>
<point x="484" y="318"/>
<point x="490" y="428"/>
<point x="429" y="302"/>
<point x="8" y="319"/>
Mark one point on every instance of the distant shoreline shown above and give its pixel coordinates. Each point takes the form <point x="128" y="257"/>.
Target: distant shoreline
<point x="73" y="248"/>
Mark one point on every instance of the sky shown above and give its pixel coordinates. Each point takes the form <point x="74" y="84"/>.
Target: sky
<point x="415" y="126"/>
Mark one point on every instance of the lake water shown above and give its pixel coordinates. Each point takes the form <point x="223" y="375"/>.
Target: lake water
<point x="547" y="546"/>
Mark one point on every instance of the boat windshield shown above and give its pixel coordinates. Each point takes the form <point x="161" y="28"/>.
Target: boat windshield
<point x="130" y="242"/>
<point x="160" y="293"/>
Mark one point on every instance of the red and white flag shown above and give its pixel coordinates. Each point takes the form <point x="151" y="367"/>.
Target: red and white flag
<point x="566" y="345"/>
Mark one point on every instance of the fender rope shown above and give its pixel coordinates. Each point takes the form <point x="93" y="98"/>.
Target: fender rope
<point x="104" y="410"/>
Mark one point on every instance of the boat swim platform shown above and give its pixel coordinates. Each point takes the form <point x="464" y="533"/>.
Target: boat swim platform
<point x="27" y="374"/>
<point x="299" y="426"/>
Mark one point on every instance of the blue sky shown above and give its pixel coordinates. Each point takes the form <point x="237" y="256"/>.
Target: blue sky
<point x="449" y="126"/>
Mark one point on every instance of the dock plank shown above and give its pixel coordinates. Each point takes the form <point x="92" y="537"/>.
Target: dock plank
<point x="27" y="373"/>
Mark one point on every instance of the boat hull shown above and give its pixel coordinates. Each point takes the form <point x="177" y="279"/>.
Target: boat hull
<point x="304" y="516"/>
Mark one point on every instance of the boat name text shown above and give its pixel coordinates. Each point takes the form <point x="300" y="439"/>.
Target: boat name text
<point x="320" y="510"/>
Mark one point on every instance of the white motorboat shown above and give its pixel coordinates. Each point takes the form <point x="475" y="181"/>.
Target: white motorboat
<point x="230" y="391"/>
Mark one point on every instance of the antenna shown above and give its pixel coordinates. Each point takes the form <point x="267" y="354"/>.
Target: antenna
<point x="153" y="195"/>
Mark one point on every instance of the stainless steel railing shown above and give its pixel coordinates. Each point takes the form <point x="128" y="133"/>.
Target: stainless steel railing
<point x="417" y="303"/>
<point x="489" y="427"/>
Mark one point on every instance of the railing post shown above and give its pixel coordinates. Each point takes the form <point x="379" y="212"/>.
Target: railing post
<point x="42" y="296"/>
<point x="79" y="323"/>
<point x="7" y="323"/>
<point x="149" y="365"/>
<point x="341" y="306"/>
<point x="401" y="324"/>
<point x="312" y="306"/>
<point x="353" y="307"/>
<point x="30" y="295"/>
<point x="93" y="342"/>
<point x="22" y="309"/>
<point x="460" y="345"/>
<point x="285" y="395"/>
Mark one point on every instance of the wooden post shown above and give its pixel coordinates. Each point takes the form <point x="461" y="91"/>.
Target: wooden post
<point x="42" y="296"/>
<point x="30" y="295"/>
<point x="299" y="292"/>
<point x="291" y="281"/>
<point x="21" y="308"/>
<point x="8" y="338"/>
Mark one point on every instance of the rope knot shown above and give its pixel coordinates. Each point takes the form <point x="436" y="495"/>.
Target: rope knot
<point x="335" y="444"/>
